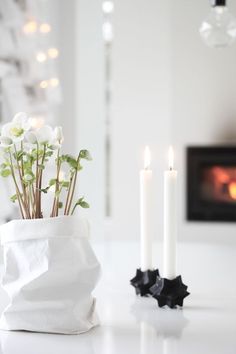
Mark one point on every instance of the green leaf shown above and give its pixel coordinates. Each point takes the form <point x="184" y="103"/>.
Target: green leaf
<point x="72" y="162"/>
<point x="52" y="182"/>
<point x="60" y="205"/>
<point x="3" y="166"/>
<point x="82" y="203"/>
<point x="85" y="154"/>
<point x="5" y="173"/>
<point x="13" y="198"/>
<point x="7" y="149"/>
<point x="49" y="153"/>
<point x="65" y="184"/>
<point x="44" y="190"/>
<point x="18" y="155"/>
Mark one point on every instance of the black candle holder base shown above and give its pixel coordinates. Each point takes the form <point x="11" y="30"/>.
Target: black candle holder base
<point x="169" y="292"/>
<point x="143" y="281"/>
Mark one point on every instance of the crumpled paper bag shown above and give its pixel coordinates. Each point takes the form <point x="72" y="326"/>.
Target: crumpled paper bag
<point x="49" y="273"/>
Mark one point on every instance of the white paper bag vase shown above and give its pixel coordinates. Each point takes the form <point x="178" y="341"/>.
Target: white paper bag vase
<point x="50" y="271"/>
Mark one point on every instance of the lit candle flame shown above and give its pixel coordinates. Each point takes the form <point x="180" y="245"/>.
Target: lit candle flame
<point x="171" y="158"/>
<point x="147" y="158"/>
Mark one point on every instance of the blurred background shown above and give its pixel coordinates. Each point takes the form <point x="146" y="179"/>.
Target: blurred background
<point x="120" y="75"/>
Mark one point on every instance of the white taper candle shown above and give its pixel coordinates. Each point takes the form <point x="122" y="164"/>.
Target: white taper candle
<point x="170" y="219"/>
<point x="146" y="212"/>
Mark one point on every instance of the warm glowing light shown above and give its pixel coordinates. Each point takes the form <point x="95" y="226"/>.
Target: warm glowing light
<point x="108" y="7"/>
<point x="45" y="28"/>
<point x="232" y="190"/>
<point x="221" y="175"/>
<point x="37" y="122"/>
<point x="53" y="53"/>
<point x="54" y="82"/>
<point x="30" y="27"/>
<point x="41" y="57"/>
<point x="171" y="158"/>
<point x="43" y="84"/>
<point x="147" y="158"/>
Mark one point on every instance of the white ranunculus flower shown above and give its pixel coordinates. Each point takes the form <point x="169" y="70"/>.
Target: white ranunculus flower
<point x="23" y="120"/>
<point x="31" y="137"/>
<point x="16" y="129"/>
<point x="44" y="135"/>
<point x="55" y="145"/>
<point x="5" y="141"/>
<point x="58" y="134"/>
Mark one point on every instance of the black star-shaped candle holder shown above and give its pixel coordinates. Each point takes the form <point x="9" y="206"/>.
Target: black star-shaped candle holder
<point x="143" y="281"/>
<point x="169" y="292"/>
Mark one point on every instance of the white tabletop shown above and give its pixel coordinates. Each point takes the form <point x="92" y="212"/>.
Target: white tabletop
<point x="130" y="324"/>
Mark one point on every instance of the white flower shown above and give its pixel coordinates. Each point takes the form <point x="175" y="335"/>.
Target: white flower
<point x="44" y="135"/>
<point x="58" y="134"/>
<point x="31" y="137"/>
<point x="5" y="141"/>
<point x="55" y="145"/>
<point x="16" y="129"/>
<point x="22" y="119"/>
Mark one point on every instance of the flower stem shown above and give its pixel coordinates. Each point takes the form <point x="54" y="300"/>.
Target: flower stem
<point x="68" y="193"/>
<point x="72" y="189"/>
<point x="20" y="169"/>
<point x="55" y="206"/>
<point x="37" y="205"/>
<point x="40" y="181"/>
<point x="20" y="200"/>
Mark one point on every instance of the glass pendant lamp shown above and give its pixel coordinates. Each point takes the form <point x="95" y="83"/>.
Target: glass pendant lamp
<point x="218" y="30"/>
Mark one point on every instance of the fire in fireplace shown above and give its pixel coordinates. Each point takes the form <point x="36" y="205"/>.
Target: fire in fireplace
<point x="211" y="183"/>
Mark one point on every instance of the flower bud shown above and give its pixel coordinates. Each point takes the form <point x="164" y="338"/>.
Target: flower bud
<point x="58" y="134"/>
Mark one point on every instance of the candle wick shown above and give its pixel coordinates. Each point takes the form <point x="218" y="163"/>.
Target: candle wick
<point x="171" y="168"/>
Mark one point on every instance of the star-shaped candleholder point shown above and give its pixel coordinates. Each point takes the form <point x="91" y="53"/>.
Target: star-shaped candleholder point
<point x="143" y="281"/>
<point x="168" y="292"/>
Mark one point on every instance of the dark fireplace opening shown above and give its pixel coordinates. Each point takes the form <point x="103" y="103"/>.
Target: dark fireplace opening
<point x="211" y="183"/>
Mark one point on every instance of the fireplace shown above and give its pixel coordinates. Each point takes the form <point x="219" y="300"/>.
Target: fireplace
<point x="211" y="183"/>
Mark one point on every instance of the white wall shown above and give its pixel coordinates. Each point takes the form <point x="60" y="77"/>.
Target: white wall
<point x="79" y="35"/>
<point x="168" y="87"/>
<point x="66" y="28"/>
<point x="90" y="118"/>
<point x="203" y="102"/>
<point x="141" y="106"/>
